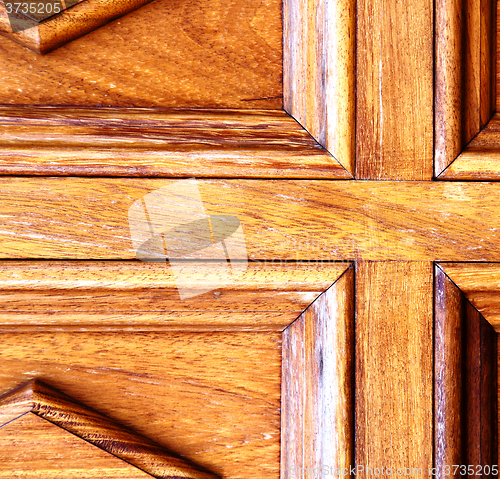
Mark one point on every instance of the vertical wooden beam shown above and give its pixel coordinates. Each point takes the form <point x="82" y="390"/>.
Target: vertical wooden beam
<point x="394" y="136"/>
<point x="317" y="385"/>
<point x="394" y="366"/>
<point x="319" y="72"/>
<point x="465" y="383"/>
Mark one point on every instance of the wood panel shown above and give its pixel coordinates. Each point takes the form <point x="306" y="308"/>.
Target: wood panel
<point x="394" y="365"/>
<point x="143" y="142"/>
<point x="465" y="87"/>
<point x="90" y="295"/>
<point x="37" y="398"/>
<point x="317" y="385"/>
<point x="480" y="160"/>
<point x="60" y="29"/>
<point x="394" y="90"/>
<point x="465" y="387"/>
<point x="319" y="72"/>
<point x="78" y="218"/>
<point x="169" y="53"/>
<point x="34" y="448"/>
<point x="207" y="396"/>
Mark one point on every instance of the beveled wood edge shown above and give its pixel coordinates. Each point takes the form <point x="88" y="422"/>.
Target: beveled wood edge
<point x="180" y="143"/>
<point x="480" y="159"/>
<point x="458" y="117"/>
<point x="451" y="446"/>
<point x="267" y="296"/>
<point x="71" y="24"/>
<point x="319" y="66"/>
<point x="54" y="406"/>
<point x="317" y="425"/>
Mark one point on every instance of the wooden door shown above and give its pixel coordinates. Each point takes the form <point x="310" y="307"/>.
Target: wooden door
<point x="351" y="325"/>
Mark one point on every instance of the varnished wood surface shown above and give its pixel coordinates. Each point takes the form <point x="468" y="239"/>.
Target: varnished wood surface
<point x="34" y="448"/>
<point x="480" y="160"/>
<point x="207" y="396"/>
<point x="319" y="72"/>
<point x="73" y="218"/>
<point x="91" y="426"/>
<point x="465" y="86"/>
<point x="394" y="90"/>
<point x="170" y="53"/>
<point x="480" y="283"/>
<point x="394" y="324"/>
<point x="144" y="296"/>
<point x="317" y="384"/>
<point x="465" y="371"/>
<point x="69" y="24"/>
<point x="152" y="142"/>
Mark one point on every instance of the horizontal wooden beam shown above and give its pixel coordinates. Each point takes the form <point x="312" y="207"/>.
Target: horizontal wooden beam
<point x="83" y="218"/>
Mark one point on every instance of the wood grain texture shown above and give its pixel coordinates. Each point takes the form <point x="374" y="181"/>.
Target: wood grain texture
<point x="144" y="296"/>
<point x="91" y="426"/>
<point x="209" y="397"/>
<point x="465" y="370"/>
<point x="465" y="59"/>
<point x="394" y="90"/>
<point x="152" y="142"/>
<point x="480" y="283"/>
<point x="319" y="72"/>
<point x="69" y="25"/>
<point x="317" y="384"/>
<point x="78" y="218"/>
<point x="34" y="448"/>
<point x="169" y="53"/>
<point x="480" y="160"/>
<point x="394" y="323"/>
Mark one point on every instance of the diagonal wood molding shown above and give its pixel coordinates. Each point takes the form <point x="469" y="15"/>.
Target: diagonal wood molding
<point x="57" y="30"/>
<point x="48" y="403"/>
<point x="480" y="283"/>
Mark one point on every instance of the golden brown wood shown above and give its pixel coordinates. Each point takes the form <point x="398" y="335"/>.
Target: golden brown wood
<point x="394" y="90"/>
<point x="189" y="54"/>
<point x="34" y="448"/>
<point x="48" y="403"/>
<point x="73" y="218"/>
<point x="69" y="24"/>
<point x="394" y="366"/>
<point x="480" y="160"/>
<point x="212" y="397"/>
<point x="319" y="72"/>
<point x="480" y="283"/>
<point x="317" y="385"/>
<point x="143" y="142"/>
<point x="465" y="370"/>
<point x="465" y="32"/>
<point x="143" y="296"/>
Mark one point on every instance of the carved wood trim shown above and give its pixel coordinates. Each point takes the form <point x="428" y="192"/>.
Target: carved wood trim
<point x="465" y="81"/>
<point x="69" y="25"/>
<point x="465" y="389"/>
<point x="44" y="401"/>
<point x="318" y="385"/>
<point x="96" y="295"/>
<point x="319" y="72"/>
<point x="146" y="142"/>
